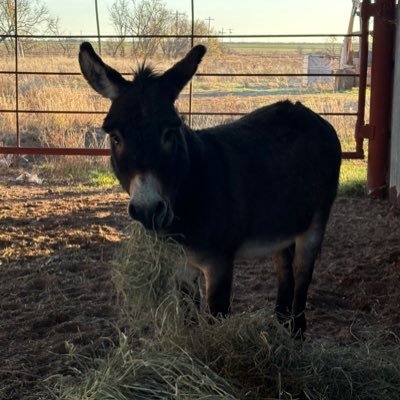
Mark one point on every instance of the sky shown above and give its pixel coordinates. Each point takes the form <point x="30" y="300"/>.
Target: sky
<point x="238" y="16"/>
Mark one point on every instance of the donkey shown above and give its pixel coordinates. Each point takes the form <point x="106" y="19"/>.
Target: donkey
<point x="262" y="184"/>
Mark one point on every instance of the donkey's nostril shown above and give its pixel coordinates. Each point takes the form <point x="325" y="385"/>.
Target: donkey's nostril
<point x="160" y="212"/>
<point x="159" y="209"/>
<point x="132" y="211"/>
<point x="153" y="216"/>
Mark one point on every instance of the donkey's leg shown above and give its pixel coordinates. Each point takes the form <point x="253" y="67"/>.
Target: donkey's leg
<point x="283" y="262"/>
<point x="307" y="249"/>
<point x="218" y="278"/>
<point x="188" y="282"/>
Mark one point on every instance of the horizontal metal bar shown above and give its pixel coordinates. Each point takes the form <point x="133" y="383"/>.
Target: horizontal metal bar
<point x="55" y="151"/>
<point x="352" y="114"/>
<point x="271" y="74"/>
<point x="184" y="36"/>
<point x="205" y="113"/>
<point x="352" y="155"/>
<point x="210" y="74"/>
<point x="104" y="152"/>
<point x="339" y="114"/>
<point x="52" y="111"/>
<point x="43" y="73"/>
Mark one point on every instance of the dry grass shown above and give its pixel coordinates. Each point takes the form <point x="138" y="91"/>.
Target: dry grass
<point x="163" y="356"/>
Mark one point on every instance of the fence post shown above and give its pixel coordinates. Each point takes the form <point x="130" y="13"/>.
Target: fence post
<point x="381" y="97"/>
<point x="16" y="60"/>
<point x="98" y="25"/>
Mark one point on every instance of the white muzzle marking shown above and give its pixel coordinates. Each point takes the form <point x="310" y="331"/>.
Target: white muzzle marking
<point x="147" y="203"/>
<point x="145" y="189"/>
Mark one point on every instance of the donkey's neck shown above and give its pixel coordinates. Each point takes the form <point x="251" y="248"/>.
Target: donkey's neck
<point x="194" y="145"/>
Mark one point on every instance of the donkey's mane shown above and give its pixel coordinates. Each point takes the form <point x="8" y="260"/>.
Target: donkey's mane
<point x="144" y="73"/>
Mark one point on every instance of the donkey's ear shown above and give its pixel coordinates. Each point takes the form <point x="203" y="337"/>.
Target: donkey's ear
<point x="102" y="78"/>
<point x="181" y="73"/>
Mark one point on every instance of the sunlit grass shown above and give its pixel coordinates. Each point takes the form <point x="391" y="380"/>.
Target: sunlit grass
<point x="353" y="177"/>
<point x="102" y="178"/>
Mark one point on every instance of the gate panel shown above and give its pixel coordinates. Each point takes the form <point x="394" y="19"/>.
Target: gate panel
<point x="21" y="111"/>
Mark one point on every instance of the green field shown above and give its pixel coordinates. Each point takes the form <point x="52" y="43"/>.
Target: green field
<point x="293" y="47"/>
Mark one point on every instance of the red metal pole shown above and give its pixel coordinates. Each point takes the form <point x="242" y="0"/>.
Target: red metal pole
<point x="56" y="151"/>
<point x="381" y="97"/>
<point x="362" y="130"/>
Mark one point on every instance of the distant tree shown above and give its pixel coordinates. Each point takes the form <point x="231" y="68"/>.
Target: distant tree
<point x="149" y="17"/>
<point x="32" y="16"/>
<point x="179" y="24"/>
<point x="214" y="45"/>
<point x="53" y="25"/>
<point x="331" y="46"/>
<point x="139" y="17"/>
<point x="152" y="17"/>
<point x="120" y="16"/>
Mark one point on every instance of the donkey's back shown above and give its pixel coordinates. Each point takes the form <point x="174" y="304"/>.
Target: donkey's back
<point x="267" y="175"/>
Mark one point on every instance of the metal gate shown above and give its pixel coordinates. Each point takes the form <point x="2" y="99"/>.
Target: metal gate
<point x="362" y="131"/>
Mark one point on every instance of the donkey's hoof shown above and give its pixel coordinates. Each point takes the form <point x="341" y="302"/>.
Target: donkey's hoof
<point x="299" y="327"/>
<point x="295" y="325"/>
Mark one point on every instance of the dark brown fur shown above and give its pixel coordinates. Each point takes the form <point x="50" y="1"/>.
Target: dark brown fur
<point x="268" y="177"/>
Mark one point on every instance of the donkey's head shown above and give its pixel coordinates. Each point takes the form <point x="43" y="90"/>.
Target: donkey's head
<point x="149" y="152"/>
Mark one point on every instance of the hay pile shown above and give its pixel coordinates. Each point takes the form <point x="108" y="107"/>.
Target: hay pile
<point x="162" y="355"/>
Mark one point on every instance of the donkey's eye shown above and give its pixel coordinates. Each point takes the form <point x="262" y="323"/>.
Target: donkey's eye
<point x="114" y="138"/>
<point x="168" y="138"/>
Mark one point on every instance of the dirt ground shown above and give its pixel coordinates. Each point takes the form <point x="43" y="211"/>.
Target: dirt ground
<point x="56" y="250"/>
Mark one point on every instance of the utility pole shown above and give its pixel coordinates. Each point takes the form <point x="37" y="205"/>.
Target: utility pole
<point x="209" y="19"/>
<point x="230" y="30"/>
<point x="177" y="15"/>
<point x="222" y="32"/>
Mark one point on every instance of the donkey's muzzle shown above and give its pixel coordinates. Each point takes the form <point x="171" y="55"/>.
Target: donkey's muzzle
<point x="156" y="216"/>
